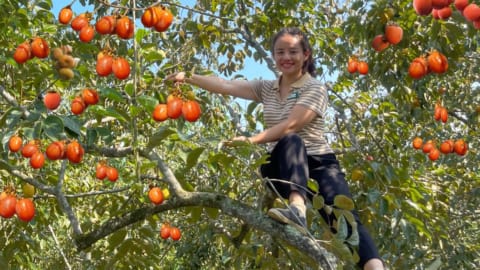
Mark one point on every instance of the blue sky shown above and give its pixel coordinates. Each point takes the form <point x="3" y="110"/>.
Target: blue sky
<point x="252" y="70"/>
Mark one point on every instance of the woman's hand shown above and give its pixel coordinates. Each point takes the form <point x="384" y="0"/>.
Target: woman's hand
<point x="178" y="77"/>
<point x="241" y="139"/>
<point x="237" y="141"/>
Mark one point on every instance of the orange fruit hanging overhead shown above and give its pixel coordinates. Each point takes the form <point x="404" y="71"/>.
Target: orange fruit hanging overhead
<point x="40" y="47"/>
<point x="65" y="15"/>
<point x="423" y="7"/>
<point x="165" y="19"/>
<point x="417" y="143"/>
<point x="379" y="43"/>
<point x="362" y="67"/>
<point x="352" y="65"/>
<point x="125" y="27"/>
<point x="437" y="62"/>
<point x="393" y="33"/>
<point x="149" y="17"/>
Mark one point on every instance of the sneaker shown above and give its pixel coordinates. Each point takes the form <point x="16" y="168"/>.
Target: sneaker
<point x="292" y="216"/>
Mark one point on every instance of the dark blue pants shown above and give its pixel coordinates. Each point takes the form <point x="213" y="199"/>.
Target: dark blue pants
<point x="289" y="161"/>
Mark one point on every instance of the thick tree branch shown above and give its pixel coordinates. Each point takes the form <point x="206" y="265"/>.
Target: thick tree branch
<point x="230" y="207"/>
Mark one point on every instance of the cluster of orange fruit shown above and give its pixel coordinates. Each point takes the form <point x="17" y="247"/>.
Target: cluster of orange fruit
<point x="86" y="98"/>
<point x="10" y="205"/>
<point x="157" y="17"/>
<point x="441" y="9"/>
<point x="36" y="47"/>
<point x="459" y="146"/>
<point x="168" y="231"/>
<point x="434" y="61"/>
<point x="175" y="107"/>
<point x="71" y="150"/>
<point x="104" y="170"/>
<point x="356" y="65"/>
<point x="107" y="64"/>
<point x="120" y="25"/>
<point x="440" y="113"/>
<point x="393" y="34"/>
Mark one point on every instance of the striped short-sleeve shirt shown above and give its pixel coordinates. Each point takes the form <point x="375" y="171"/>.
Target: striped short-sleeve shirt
<point x="308" y="92"/>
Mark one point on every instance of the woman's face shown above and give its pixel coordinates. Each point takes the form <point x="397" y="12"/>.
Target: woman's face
<point x="289" y="55"/>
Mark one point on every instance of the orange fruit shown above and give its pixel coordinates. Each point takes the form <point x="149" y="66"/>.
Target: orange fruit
<point x="437" y="62"/>
<point x="444" y="114"/>
<point x="393" y="33"/>
<point x="417" y="143"/>
<point x="175" y="233"/>
<point x="447" y="147"/>
<point x="164" y="21"/>
<point x="422" y="7"/>
<point x="125" y="27"/>
<point x="65" y="15"/>
<point x="105" y="25"/>
<point x="159" y="114"/>
<point x="428" y="146"/>
<point x="461" y="4"/>
<point x="352" y="65"/>
<point x="40" y="47"/>
<point x="379" y="43"/>
<point x="52" y="100"/>
<point x="362" y="67"/>
<point x="472" y="12"/>
<point x="434" y="154"/>
<point x="460" y="147"/>
<point x="155" y="195"/>
<point x="15" y="143"/>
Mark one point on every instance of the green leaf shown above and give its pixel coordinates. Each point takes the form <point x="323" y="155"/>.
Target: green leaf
<point x="117" y="238"/>
<point x="72" y="124"/>
<point x="212" y="212"/>
<point x="312" y="184"/>
<point x="92" y="136"/>
<point x="110" y="112"/>
<point x="10" y="114"/>
<point x="192" y="158"/>
<point x="354" y="238"/>
<point x="129" y="89"/>
<point x="147" y="102"/>
<point x="53" y="127"/>
<point x="112" y="93"/>
<point x="195" y="214"/>
<point x="157" y="138"/>
<point x="318" y="201"/>
<point x="342" y="228"/>
<point x="343" y="202"/>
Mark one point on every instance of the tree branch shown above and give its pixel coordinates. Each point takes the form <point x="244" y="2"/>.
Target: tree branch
<point x="63" y="202"/>
<point x="229" y="207"/>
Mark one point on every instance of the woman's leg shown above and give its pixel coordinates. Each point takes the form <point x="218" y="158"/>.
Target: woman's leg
<point x="326" y="171"/>
<point x="288" y="161"/>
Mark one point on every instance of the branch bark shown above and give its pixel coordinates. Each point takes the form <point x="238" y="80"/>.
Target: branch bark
<point x="246" y="213"/>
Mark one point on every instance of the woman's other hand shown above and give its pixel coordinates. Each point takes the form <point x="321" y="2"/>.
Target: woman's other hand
<point x="178" y="77"/>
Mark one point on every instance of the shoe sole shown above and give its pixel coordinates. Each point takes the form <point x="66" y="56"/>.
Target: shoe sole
<point x="283" y="219"/>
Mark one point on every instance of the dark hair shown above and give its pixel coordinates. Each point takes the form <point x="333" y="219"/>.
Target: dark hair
<point x="309" y="65"/>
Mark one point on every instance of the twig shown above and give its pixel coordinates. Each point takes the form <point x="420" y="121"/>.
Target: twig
<point x="58" y="246"/>
<point x="63" y="202"/>
<point x="86" y="194"/>
<point x="10" y="99"/>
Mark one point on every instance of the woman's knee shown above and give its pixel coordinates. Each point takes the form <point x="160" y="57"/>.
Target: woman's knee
<point x="291" y="138"/>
